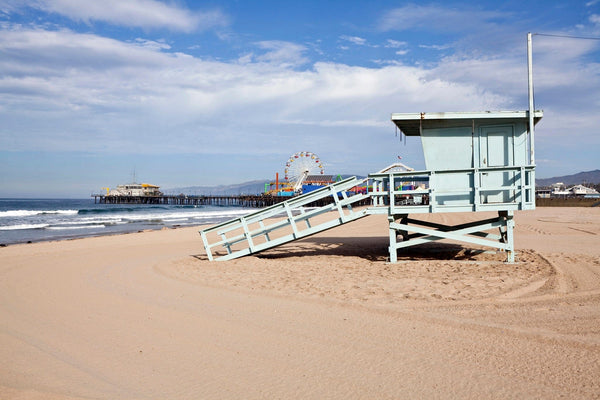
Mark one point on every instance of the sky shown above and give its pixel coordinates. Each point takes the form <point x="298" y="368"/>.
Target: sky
<point x="202" y="93"/>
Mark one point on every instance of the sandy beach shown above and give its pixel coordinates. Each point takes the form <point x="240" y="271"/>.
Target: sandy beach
<point x="147" y="316"/>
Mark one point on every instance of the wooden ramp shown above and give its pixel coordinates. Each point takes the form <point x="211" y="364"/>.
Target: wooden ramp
<point x="284" y="222"/>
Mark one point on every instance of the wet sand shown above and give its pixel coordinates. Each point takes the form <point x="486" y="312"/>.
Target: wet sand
<point x="146" y="316"/>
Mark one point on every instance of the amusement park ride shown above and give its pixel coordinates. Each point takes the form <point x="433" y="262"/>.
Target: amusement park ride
<point x="475" y="162"/>
<point x="303" y="171"/>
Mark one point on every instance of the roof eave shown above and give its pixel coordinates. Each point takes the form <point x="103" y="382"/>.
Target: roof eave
<point x="409" y="123"/>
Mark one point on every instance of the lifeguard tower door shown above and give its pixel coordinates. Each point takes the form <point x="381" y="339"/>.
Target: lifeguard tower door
<point x="496" y="147"/>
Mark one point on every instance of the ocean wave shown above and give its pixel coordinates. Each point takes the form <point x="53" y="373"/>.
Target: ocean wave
<point x="70" y="227"/>
<point x="121" y="209"/>
<point x="23" y="227"/>
<point x="29" y="213"/>
<point x="158" y="216"/>
<point x="94" y="220"/>
<point x="170" y="220"/>
<point x="45" y="220"/>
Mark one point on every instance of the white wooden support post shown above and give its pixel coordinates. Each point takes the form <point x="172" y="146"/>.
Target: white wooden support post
<point x="291" y="221"/>
<point x="206" y="245"/>
<point x="391" y="190"/>
<point x="338" y="205"/>
<point x="432" y="199"/>
<point x="393" y="245"/>
<point x="247" y="234"/>
<point x="510" y="224"/>
<point x="226" y="244"/>
<point x="262" y="226"/>
<point x="476" y="187"/>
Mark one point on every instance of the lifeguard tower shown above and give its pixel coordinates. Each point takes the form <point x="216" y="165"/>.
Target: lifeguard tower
<point x="475" y="162"/>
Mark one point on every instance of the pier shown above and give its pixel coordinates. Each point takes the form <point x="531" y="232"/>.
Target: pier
<point x="253" y="201"/>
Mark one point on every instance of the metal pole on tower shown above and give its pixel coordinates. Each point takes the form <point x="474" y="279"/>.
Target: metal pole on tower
<point x="531" y="105"/>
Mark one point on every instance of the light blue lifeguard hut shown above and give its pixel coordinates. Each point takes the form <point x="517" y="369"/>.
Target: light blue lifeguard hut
<point x="475" y="161"/>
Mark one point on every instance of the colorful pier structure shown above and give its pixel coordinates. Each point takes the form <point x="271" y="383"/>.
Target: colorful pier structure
<point x="475" y="162"/>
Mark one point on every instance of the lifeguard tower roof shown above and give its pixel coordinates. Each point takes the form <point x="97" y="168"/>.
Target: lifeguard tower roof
<point x="411" y="124"/>
<point x="459" y="140"/>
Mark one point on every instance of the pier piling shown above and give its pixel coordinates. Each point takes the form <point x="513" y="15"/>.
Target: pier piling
<point x="250" y="201"/>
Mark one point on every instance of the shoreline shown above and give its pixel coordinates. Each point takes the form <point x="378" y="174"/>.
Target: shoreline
<point x="114" y="220"/>
<point x="100" y="235"/>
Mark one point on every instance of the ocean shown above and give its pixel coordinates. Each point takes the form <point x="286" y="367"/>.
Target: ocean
<point x="34" y="220"/>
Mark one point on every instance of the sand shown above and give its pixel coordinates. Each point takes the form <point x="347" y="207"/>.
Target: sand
<point x="146" y="316"/>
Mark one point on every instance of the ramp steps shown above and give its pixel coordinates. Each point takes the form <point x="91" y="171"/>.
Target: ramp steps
<point x="283" y="222"/>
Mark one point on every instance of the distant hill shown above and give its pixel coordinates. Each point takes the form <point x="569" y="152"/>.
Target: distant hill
<point x="588" y="177"/>
<point x="251" y="187"/>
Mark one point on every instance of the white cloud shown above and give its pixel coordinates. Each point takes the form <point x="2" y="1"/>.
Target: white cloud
<point x="284" y="54"/>
<point x="395" y="44"/>
<point x="152" y="44"/>
<point x="435" y="46"/>
<point x="31" y="50"/>
<point x="67" y="91"/>
<point x="146" y="14"/>
<point x="62" y="90"/>
<point x="354" y="39"/>
<point x="436" y="18"/>
<point x="245" y="59"/>
<point x="10" y="6"/>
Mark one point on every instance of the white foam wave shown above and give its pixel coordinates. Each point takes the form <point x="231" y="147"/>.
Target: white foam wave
<point x="175" y="219"/>
<point x="70" y="227"/>
<point x="91" y="221"/>
<point x="29" y="213"/>
<point x="23" y="227"/>
<point x="117" y="220"/>
<point x="183" y="215"/>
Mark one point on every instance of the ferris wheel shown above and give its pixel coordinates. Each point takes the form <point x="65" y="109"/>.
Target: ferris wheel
<point x="300" y="165"/>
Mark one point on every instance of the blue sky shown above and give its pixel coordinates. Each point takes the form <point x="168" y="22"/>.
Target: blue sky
<point x="218" y="92"/>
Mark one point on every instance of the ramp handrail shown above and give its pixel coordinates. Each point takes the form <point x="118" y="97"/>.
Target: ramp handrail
<point x="284" y="222"/>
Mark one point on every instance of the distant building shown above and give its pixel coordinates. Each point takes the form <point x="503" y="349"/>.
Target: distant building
<point x="558" y="190"/>
<point x="543" y="193"/>
<point x="136" y="189"/>
<point x="322" y="180"/>
<point x="584" y="191"/>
